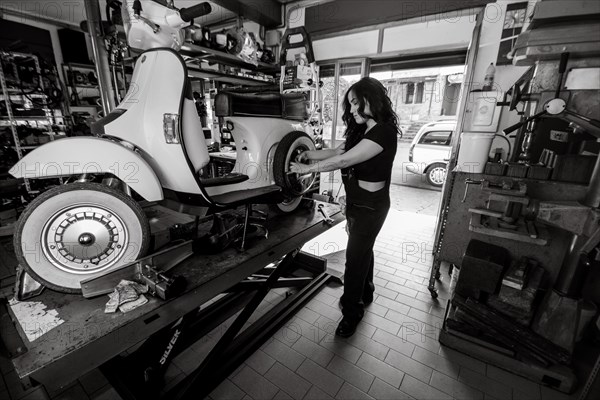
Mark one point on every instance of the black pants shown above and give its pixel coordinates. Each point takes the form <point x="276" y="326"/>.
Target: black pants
<point x="364" y="223"/>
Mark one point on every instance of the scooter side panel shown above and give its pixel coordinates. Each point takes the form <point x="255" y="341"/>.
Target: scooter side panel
<point x="91" y="155"/>
<point x="256" y="139"/>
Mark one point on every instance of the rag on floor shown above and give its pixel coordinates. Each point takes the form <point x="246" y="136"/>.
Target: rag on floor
<point x="127" y="296"/>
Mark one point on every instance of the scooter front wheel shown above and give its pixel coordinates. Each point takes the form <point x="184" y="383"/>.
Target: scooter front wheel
<point x="79" y="231"/>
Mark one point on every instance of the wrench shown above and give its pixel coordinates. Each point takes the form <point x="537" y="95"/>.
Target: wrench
<point x="327" y="220"/>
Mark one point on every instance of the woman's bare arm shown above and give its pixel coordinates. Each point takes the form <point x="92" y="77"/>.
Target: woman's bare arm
<point x="363" y="151"/>
<point x="318" y="155"/>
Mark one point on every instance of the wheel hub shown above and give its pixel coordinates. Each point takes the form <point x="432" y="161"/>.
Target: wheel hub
<point x="438" y="175"/>
<point x="84" y="239"/>
<point x="300" y="183"/>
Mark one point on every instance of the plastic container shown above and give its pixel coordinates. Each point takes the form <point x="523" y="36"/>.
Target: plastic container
<point x="474" y="151"/>
<point x="588" y="312"/>
<point x="454" y="278"/>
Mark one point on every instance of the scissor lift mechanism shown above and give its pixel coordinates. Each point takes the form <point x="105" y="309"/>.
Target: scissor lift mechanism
<point x="89" y="338"/>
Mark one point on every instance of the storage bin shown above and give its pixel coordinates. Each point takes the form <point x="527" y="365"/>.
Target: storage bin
<point x="474" y="151"/>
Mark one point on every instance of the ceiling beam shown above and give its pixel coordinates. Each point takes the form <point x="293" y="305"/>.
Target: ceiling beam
<point x="264" y="12"/>
<point x="24" y="15"/>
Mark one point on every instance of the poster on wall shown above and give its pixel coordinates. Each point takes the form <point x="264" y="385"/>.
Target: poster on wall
<point x="514" y="20"/>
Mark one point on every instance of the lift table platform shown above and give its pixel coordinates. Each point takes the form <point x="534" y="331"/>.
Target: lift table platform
<point x="88" y="337"/>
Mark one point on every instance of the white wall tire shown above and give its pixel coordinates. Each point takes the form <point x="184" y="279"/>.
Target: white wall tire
<point x="287" y="150"/>
<point x="287" y="206"/>
<point x="79" y="231"/>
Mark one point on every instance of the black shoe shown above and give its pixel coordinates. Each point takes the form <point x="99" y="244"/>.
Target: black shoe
<point x="346" y="328"/>
<point x="367" y="300"/>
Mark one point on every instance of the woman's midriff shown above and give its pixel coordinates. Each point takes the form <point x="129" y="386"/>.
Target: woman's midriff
<point x="371" y="186"/>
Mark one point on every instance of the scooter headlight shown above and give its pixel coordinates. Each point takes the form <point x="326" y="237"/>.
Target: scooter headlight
<point x="171" y="128"/>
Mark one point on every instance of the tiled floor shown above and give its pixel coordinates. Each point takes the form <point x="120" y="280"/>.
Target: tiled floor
<point x="395" y="353"/>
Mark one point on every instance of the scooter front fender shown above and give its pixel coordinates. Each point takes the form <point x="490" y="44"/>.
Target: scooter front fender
<point x="91" y="155"/>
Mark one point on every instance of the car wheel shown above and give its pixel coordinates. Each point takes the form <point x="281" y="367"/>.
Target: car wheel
<point x="79" y="231"/>
<point x="436" y="174"/>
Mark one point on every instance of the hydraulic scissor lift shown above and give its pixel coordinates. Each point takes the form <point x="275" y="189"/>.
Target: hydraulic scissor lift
<point x="88" y="338"/>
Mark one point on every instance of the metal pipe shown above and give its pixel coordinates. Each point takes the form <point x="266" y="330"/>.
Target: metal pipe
<point x="113" y="70"/>
<point x="592" y="196"/>
<point x="107" y="94"/>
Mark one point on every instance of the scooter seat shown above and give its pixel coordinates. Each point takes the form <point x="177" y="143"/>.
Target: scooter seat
<point x="292" y="106"/>
<point x="228" y="179"/>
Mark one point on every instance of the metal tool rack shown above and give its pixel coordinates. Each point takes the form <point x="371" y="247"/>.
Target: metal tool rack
<point x="89" y="338"/>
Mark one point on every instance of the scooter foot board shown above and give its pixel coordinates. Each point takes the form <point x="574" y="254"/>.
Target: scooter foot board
<point x="163" y="260"/>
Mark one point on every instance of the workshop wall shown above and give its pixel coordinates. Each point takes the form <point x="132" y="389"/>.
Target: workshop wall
<point x="491" y="46"/>
<point x="66" y="14"/>
<point x="52" y="30"/>
<point x="457" y="234"/>
<point x="585" y="102"/>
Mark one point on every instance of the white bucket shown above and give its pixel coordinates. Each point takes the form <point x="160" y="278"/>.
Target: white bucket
<point x="588" y="312"/>
<point x="474" y="151"/>
<point x="454" y="278"/>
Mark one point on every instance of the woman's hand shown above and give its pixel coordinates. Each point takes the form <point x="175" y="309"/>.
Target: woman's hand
<point x="342" y="201"/>
<point x="302" y="157"/>
<point x="299" y="168"/>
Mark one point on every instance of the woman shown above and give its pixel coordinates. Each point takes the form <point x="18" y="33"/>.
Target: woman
<point x="366" y="162"/>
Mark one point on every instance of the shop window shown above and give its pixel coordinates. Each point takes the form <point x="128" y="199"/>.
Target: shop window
<point x="419" y="93"/>
<point x="410" y="93"/>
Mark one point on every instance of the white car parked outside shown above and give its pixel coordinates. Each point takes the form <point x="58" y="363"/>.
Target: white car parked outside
<point x="430" y="151"/>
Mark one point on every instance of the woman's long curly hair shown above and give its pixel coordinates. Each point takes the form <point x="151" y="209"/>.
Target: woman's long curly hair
<point x="372" y="91"/>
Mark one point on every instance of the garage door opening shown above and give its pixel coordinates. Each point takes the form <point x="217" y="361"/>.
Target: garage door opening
<point x="425" y="92"/>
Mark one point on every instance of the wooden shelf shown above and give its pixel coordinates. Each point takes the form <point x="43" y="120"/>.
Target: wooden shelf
<point x="19" y="93"/>
<point x="195" y="72"/>
<point x="81" y="66"/>
<point x="523" y="232"/>
<point x="85" y="87"/>
<point x="26" y="118"/>
<point x="205" y="53"/>
<point x="29" y="146"/>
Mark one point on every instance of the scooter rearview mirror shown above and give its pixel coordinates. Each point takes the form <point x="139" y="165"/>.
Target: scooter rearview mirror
<point x="555" y="106"/>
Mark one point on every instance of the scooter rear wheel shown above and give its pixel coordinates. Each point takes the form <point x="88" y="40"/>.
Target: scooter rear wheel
<point x="79" y="231"/>
<point x="288" y="149"/>
<point x="286" y="206"/>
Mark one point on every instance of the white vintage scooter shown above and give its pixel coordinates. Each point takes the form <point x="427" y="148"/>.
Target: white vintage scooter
<point x="150" y="147"/>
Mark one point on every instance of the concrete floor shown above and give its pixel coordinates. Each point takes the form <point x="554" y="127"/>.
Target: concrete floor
<point x="395" y="353"/>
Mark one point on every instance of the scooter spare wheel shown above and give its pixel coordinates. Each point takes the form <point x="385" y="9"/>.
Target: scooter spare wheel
<point x="78" y="231"/>
<point x="292" y="185"/>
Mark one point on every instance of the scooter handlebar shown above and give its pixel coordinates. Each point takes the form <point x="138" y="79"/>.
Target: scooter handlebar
<point x="188" y="14"/>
